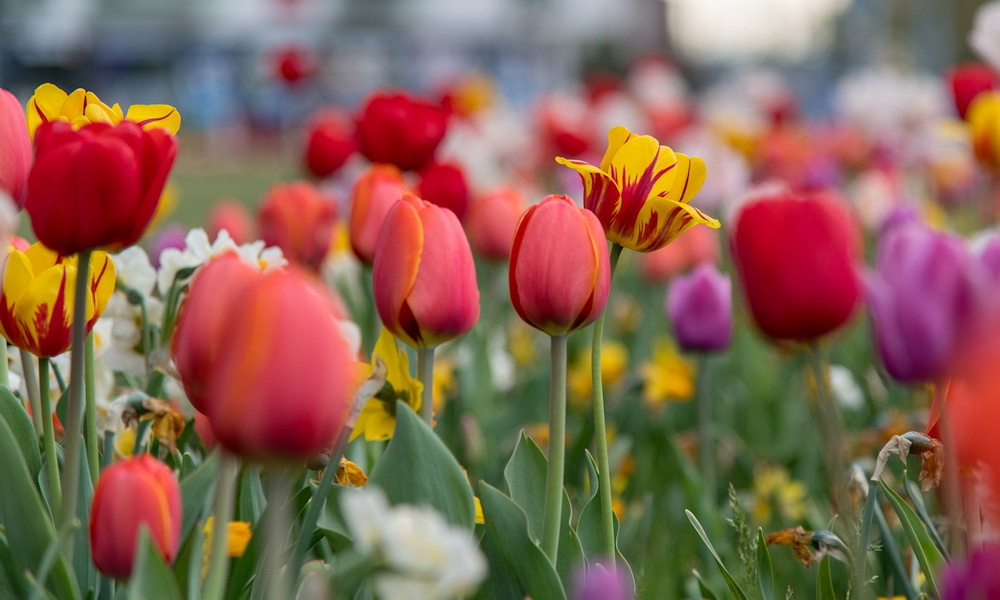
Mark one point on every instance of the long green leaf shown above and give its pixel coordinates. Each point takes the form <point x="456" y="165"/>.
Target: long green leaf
<point x="734" y="588"/>
<point x="196" y="493"/>
<point x="824" y="581"/>
<point x="765" y="572"/>
<point x="23" y="431"/>
<point x="928" y="555"/>
<point x="151" y="578"/>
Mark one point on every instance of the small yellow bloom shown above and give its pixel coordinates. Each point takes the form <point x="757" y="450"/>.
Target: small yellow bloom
<point x="614" y="367"/>
<point x="239" y="536"/>
<point x="480" y="518"/>
<point x="125" y="442"/>
<point x="377" y="420"/>
<point x="444" y="382"/>
<point x="81" y="107"/>
<point x="774" y="488"/>
<point x="349" y="473"/>
<point x="521" y="343"/>
<point x="667" y="377"/>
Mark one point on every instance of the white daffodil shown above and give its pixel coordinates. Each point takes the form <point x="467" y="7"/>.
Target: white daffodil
<point x="134" y="270"/>
<point x="985" y="35"/>
<point x="198" y="251"/>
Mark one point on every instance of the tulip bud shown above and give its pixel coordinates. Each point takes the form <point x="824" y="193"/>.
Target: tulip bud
<point x="132" y="494"/>
<point x="491" y="223"/>
<point x="444" y="185"/>
<point x="374" y="194"/>
<point x="97" y="186"/>
<point x="15" y="156"/>
<point x="231" y="216"/>
<point x="400" y="130"/>
<point x="796" y="257"/>
<point x="330" y="143"/>
<point x="424" y="277"/>
<point x="560" y="274"/>
<point x="700" y="308"/>
<point x="297" y="218"/>
<point x="967" y="81"/>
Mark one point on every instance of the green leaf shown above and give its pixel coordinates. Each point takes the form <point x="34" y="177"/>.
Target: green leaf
<point x="86" y="573"/>
<point x="518" y="567"/>
<point x="706" y="592"/>
<point x="12" y="583"/>
<point x="196" y="493"/>
<point x="250" y="501"/>
<point x="824" y="581"/>
<point x="151" y="578"/>
<point x="23" y="431"/>
<point x="913" y="492"/>
<point x="734" y="588"/>
<point x="591" y="532"/>
<point x="928" y="555"/>
<point x="417" y="468"/>
<point x="765" y="572"/>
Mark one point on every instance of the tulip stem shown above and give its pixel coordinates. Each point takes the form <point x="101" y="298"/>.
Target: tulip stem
<point x="830" y="429"/>
<point x="51" y="460"/>
<point x="90" y="413"/>
<point x="600" y="428"/>
<point x="706" y="443"/>
<point x="277" y="532"/>
<point x="4" y="373"/>
<point x="31" y="383"/>
<point x="74" y="399"/>
<point x="425" y="373"/>
<point x="557" y="449"/>
<point x="218" y="561"/>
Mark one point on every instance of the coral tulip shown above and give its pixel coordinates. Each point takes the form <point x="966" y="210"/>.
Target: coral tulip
<point x="15" y="156"/>
<point x="492" y="221"/>
<point x="700" y="308"/>
<point x="131" y="495"/>
<point x="97" y="186"/>
<point x="641" y="191"/>
<point x="36" y="299"/>
<point x="374" y="194"/>
<point x="444" y="185"/>
<point x="560" y="274"/>
<point x="796" y="258"/>
<point x="330" y="143"/>
<point x="401" y="130"/>
<point x="967" y="81"/>
<point x="231" y="216"/>
<point x="424" y="276"/>
<point x="297" y="218"/>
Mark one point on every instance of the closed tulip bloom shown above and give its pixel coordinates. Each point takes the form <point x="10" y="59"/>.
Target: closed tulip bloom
<point x="967" y="81"/>
<point x="641" y="191"/>
<point x="133" y="494"/>
<point x="36" y="299"/>
<point x="924" y="297"/>
<point x="795" y="257"/>
<point x="281" y="381"/>
<point x="700" y="308"/>
<point x="15" y="148"/>
<point x="983" y="117"/>
<point x="96" y="187"/>
<point x="424" y="277"/>
<point x="233" y="217"/>
<point x="401" y="130"/>
<point x="300" y="220"/>
<point x="374" y="194"/>
<point x="560" y="274"/>
<point x="81" y="107"/>
<point x="491" y="223"/>
<point x="444" y="184"/>
<point x="330" y="142"/>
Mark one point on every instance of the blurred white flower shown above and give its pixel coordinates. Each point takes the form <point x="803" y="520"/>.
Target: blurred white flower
<point x="985" y="35"/>
<point x="424" y="556"/>
<point x="134" y="270"/>
<point x="890" y="104"/>
<point x="198" y="251"/>
<point x="846" y="390"/>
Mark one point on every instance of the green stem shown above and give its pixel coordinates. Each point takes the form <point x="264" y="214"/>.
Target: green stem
<point x="425" y="373"/>
<point x="312" y="514"/>
<point x="831" y="431"/>
<point x="218" y="561"/>
<point x="74" y="399"/>
<point x="277" y="532"/>
<point x="893" y="555"/>
<point x="31" y="383"/>
<point x="51" y="459"/>
<point x="90" y="413"/>
<point x="4" y="373"/>
<point x="600" y="428"/>
<point x="865" y="533"/>
<point x="706" y="443"/>
<point x="557" y="449"/>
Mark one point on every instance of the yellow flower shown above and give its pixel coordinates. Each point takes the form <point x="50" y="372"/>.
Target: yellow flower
<point x="480" y="518"/>
<point x="641" y="191"/>
<point x="444" y="382"/>
<point x="614" y="367"/>
<point x="521" y="343"/>
<point x="36" y="300"/>
<point x="773" y="488"/>
<point x="377" y="420"/>
<point x="667" y="377"/>
<point x="349" y="473"/>
<point x="125" y="442"/>
<point x="82" y="107"/>
<point x="983" y="117"/>
<point x="239" y="536"/>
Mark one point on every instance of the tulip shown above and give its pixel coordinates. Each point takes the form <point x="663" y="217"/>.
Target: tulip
<point x="975" y="577"/>
<point x="279" y="389"/>
<point x="15" y="156"/>
<point x="642" y="190"/>
<point x="131" y="495"/>
<point x="695" y="246"/>
<point x="36" y="300"/>
<point x="293" y="64"/>
<point x="967" y="81"/>
<point x="492" y="221"/>
<point x="601" y="584"/>
<point x="97" y="186"/>
<point x="700" y="308"/>
<point x="560" y="273"/>
<point x="231" y="216"/>
<point x="983" y="117"/>
<point x="374" y="194"/>
<point x="297" y="218"/>
<point x="444" y="185"/>
<point x="424" y="277"/>
<point x="796" y="256"/>
<point x="330" y="144"/>
<point x="400" y="130"/>
<point x="925" y="295"/>
<point x="82" y="108"/>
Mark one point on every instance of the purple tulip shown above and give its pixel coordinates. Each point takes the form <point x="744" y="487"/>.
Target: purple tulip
<point x="977" y="578"/>
<point x="171" y="236"/>
<point x="596" y="583"/>
<point x="990" y="255"/>
<point x="700" y="307"/>
<point x="924" y="296"/>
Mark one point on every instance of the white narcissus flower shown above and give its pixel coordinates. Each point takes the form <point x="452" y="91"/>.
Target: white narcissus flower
<point x="985" y="35"/>
<point x="198" y="251"/>
<point x="424" y="556"/>
<point x="134" y="270"/>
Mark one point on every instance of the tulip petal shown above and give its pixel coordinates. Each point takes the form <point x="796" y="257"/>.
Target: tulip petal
<point x="616" y="139"/>
<point x="601" y="193"/>
<point x="44" y="310"/>
<point x="691" y="174"/>
<point x="395" y="274"/>
<point x="662" y="220"/>
<point x="155" y="116"/>
<point x="44" y="106"/>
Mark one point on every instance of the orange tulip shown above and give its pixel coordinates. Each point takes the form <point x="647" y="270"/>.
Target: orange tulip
<point x="232" y="216"/>
<point x="297" y="218"/>
<point x="374" y="194"/>
<point x="424" y="276"/>
<point x="492" y="220"/>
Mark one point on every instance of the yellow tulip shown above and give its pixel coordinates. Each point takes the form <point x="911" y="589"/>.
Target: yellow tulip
<point x="81" y="107"/>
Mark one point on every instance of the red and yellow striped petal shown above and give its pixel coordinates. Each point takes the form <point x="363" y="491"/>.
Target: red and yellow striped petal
<point x="616" y="139"/>
<point x="155" y="116"/>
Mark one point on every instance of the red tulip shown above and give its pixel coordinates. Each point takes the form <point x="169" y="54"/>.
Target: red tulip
<point x="98" y="186"/>
<point x="330" y="143"/>
<point x="280" y="385"/>
<point x="15" y="147"/>
<point x="231" y="216"/>
<point x="969" y="79"/>
<point x="796" y="257"/>
<point x="444" y="185"/>
<point x="374" y="194"/>
<point x="424" y="277"/>
<point x="401" y="130"/>
<point x="297" y="218"/>
<point x="130" y="495"/>
<point x="492" y="221"/>
<point x="293" y="64"/>
<point x="559" y="270"/>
